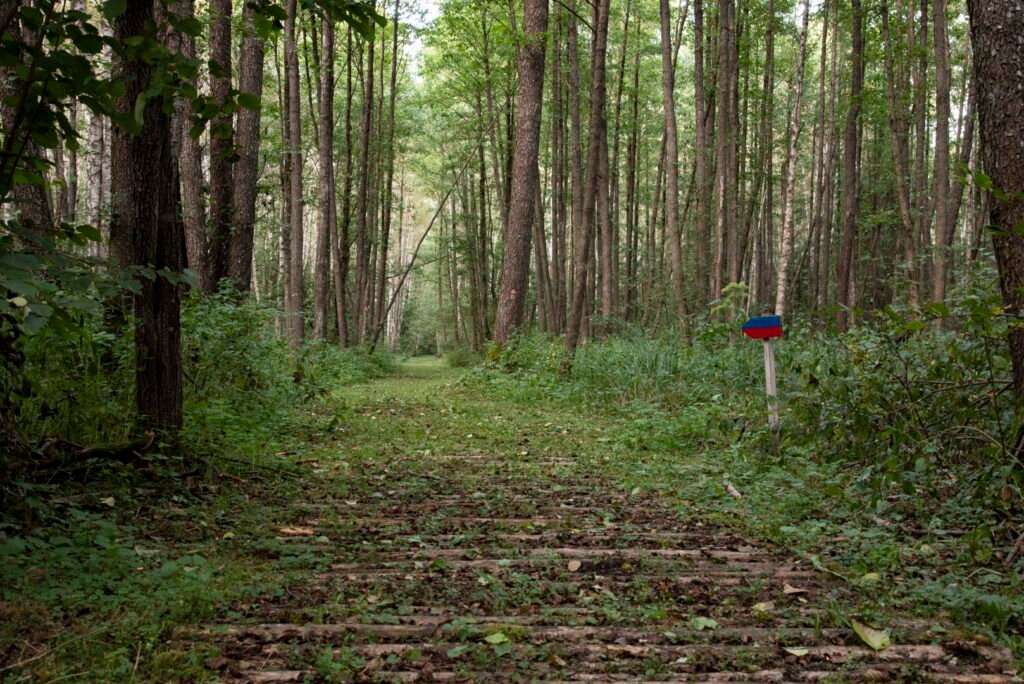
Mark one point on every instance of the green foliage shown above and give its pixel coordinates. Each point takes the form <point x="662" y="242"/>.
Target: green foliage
<point x="905" y="423"/>
<point x="243" y="385"/>
<point x="461" y="357"/>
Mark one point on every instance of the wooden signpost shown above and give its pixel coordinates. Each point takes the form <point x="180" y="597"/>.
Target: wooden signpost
<point x="766" y="329"/>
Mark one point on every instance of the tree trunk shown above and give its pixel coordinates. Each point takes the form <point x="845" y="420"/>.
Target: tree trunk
<point x="325" y="140"/>
<point x="597" y="131"/>
<point x="725" y="179"/>
<point x="899" y="132"/>
<point x="851" y="179"/>
<point x="789" y="180"/>
<point x="701" y="152"/>
<point x="190" y="171"/>
<point x="343" y="242"/>
<point x="221" y="141"/>
<point x="941" y="176"/>
<point x="382" y="293"/>
<point x="996" y="30"/>
<point x="144" y="230"/>
<point x="295" y="290"/>
<point x="672" y="226"/>
<point x="362" y="199"/>
<point x="525" y="173"/>
<point x="247" y="140"/>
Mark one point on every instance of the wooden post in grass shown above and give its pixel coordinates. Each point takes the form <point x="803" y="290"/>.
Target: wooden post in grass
<point x="766" y="329"/>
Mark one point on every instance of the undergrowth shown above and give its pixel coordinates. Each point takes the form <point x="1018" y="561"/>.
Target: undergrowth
<point x="102" y="558"/>
<point x="894" y="467"/>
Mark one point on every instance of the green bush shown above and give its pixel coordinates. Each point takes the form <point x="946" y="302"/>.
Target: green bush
<point x="461" y="357"/>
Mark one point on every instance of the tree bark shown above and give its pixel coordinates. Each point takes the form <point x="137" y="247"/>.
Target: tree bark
<point x="221" y="142"/>
<point x="294" y="292"/>
<point x="247" y="139"/>
<point x="362" y="199"/>
<point x="190" y="171"/>
<point x="597" y="131"/>
<point x="144" y="231"/>
<point x="789" y="180"/>
<point x="851" y="179"/>
<point x="672" y="226"/>
<point x="385" y="233"/>
<point x="325" y="140"/>
<point x="525" y="173"/>
<point x="996" y="30"/>
<point x="701" y="152"/>
<point x="941" y="176"/>
<point x="899" y="132"/>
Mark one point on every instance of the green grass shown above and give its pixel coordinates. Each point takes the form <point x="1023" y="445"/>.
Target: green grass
<point x="96" y="586"/>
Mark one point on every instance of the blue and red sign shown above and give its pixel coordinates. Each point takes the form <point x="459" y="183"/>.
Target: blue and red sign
<point x="763" y="327"/>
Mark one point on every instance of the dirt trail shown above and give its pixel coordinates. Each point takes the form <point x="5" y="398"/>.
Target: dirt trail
<point x="496" y="555"/>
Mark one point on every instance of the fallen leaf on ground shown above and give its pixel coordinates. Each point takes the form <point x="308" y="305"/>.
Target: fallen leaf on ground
<point x="764" y="607"/>
<point x="574" y="565"/>
<point x="878" y="639"/>
<point x="701" y="623"/>
<point x="798" y="652"/>
<point x="298" y="531"/>
<point x="789" y="589"/>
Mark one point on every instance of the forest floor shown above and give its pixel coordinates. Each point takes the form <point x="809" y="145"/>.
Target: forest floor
<point x="439" y="533"/>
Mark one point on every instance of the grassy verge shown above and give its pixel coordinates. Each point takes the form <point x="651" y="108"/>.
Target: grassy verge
<point x="914" y="521"/>
<point x="101" y="559"/>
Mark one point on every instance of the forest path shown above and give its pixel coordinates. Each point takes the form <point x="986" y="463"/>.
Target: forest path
<point x="470" y="538"/>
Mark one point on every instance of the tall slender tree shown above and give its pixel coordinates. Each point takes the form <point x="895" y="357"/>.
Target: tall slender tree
<point x="247" y="147"/>
<point x="789" y="179"/>
<point x="525" y="173"/>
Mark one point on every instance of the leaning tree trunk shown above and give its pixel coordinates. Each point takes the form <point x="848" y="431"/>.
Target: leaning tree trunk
<point x="144" y="230"/>
<point x="996" y="30"/>
<point x="525" y="174"/>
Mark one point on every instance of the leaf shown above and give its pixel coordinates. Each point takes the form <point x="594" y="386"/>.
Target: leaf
<point x="249" y="101"/>
<point x="496" y="638"/>
<point x="574" y="565"/>
<point x="457" y="651"/>
<point x="298" y="531"/>
<point x="701" y="623"/>
<point x="878" y="639"/>
<point x="733" y="492"/>
<point x="19" y="302"/>
<point x="789" y="590"/>
<point x="112" y="9"/>
<point x="764" y="607"/>
<point x="798" y="652"/>
<point x="108" y="501"/>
